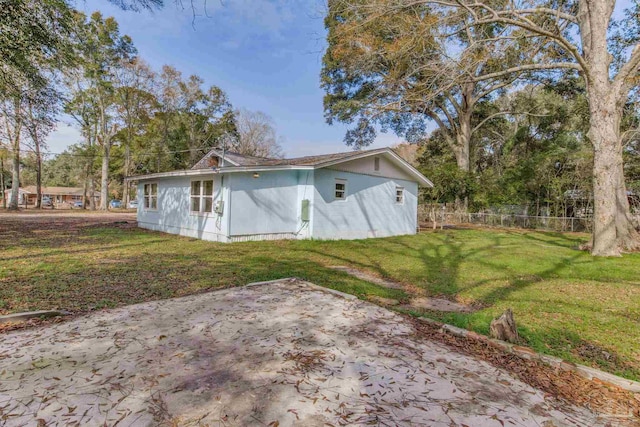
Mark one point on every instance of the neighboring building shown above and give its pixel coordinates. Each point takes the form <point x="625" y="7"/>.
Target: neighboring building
<point x="22" y="196"/>
<point x="57" y="195"/>
<point x="229" y="197"/>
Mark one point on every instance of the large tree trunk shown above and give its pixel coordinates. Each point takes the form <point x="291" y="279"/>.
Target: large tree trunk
<point x="15" y="177"/>
<point x="127" y="168"/>
<point x="613" y="230"/>
<point x="38" y="174"/>
<point x="92" y="193"/>
<point x="85" y="192"/>
<point x="104" y="182"/>
<point x="463" y="142"/>
<point x="2" y="184"/>
<point x="462" y="147"/>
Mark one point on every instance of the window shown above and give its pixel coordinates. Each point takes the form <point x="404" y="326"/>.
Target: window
<point x="151" y="196"/>
<point x="400" y="195"/>
<point x="376" y="164"/>
<point x="341" y="189"/>
<point x="202" y="196"/>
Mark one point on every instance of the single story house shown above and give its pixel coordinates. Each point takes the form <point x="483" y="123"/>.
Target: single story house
<point x="22" y="196"/>
<point x="229" y="197"/>
<point x="58" y="195"/>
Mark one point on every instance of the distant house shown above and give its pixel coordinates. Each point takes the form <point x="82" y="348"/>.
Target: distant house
<point x="58" y="195"/>
<point x="22" y="195"/>
<point x="229" y="197"/>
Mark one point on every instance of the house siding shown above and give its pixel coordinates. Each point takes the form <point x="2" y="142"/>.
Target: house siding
<point x="269" y="206"/>
<point x="369" y="210"/>
<point x="366" y="166"/>
<point x="265" y="205"/>
<point x="173" y="214"/>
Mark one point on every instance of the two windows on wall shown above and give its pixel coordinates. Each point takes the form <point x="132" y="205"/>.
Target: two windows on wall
<point x="341" y="192"/>
<point x="201" y="197"/>
<point x="151" y="196"/>
<point x="400" y="195"/>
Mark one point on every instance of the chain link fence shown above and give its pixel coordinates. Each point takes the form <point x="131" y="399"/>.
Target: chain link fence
<point x="431" y="216"/>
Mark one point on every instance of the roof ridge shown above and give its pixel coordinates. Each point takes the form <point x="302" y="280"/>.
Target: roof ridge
<point x="354" y="152"/>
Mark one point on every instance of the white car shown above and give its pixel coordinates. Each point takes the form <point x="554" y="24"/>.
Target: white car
<point x="133" y="204"/>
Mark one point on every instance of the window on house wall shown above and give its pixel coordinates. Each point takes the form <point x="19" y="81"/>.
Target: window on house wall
<point x="400" y="195"/>
<point x="202" y="196"/>
<point x="341" y="189"/>
<point x="151" y="196"/>
<point x="376" y="164"/>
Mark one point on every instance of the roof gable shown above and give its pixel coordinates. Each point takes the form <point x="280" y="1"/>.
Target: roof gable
<point x="215" y="157"/>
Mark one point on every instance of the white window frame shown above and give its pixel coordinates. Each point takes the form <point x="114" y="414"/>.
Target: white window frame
<point x="344" y="191"/>
<point x="376" y="164"/>
<point x="399" y="195"/>
<point x="201" y="197"/>
<point x="147" y="198"/>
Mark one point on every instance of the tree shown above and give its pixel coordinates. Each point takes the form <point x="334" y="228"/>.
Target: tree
<point x="66" y="169"/>
<point x="135" y="104"/>
<point x="388" y="63"/>
<point x="579" y="36"/>
<point x="35" y="35"/>
<point x="35" y="40"/>
<point x="3" y="184"/>
<point x="189" y="120"/>
<point x="12" y="116"/>
<point x="40" y="116"/>
<point x="81" y="108"/>
<point x="256" y="135"/>
<point x="205" y="116"/>
<point x="102" y="50"/>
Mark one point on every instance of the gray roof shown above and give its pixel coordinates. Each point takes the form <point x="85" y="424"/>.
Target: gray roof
<point x="238" y="163"/>
<point x="232" y="157"/>
<point x="243" y="160"/>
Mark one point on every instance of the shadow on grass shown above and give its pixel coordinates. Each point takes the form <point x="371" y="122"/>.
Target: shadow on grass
<point x="139" y="265"/>
<point x="139" y="278"/>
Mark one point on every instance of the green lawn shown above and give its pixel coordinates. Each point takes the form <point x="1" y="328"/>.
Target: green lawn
<point x="566" y="303"/>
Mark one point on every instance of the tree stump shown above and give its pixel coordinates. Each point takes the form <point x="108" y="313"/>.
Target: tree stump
<point x="504" y="327"/>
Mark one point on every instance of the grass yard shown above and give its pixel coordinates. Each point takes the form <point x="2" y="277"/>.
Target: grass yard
<point x="566" y="303"/>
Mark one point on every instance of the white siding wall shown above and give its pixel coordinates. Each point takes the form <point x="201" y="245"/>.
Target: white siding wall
<point x="306" y="190"/>
<point x="264" y="205"/>
<point x="269" y="206"/>
<point x="366" y="166"/>
<point x="173" y="214"/>
<point x="369" y="210"/>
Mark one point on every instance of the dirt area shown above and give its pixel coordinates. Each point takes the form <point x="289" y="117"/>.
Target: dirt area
<point x="414" y="304"/>
<point x="285" y="353"/>
<point x="36" y="220"/>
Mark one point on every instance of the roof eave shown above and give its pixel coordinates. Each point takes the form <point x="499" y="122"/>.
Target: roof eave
<point x="215" y="171"/>
<point x="420" y="178"/>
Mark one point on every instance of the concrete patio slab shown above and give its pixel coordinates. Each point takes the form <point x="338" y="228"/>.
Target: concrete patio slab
<point x="284" y="353"/>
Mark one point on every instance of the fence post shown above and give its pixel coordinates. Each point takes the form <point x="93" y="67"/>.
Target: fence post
<point x="572" y="223"/>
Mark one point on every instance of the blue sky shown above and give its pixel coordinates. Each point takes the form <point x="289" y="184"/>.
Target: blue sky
<point x="266" y="55"/>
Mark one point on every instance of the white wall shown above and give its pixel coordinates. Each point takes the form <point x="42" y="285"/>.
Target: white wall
<point x="264" y="205"/>
<point x="370" y="209"/>
<point x="269" y="206"/>
<point x="173" y="214"/>
<point x="366" y="166"/>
